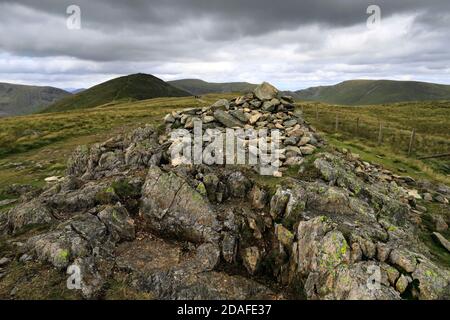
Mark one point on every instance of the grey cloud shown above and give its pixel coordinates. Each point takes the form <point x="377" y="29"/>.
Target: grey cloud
<point x="221" y="40"/>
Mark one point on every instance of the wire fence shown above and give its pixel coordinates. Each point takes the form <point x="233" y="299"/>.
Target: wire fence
<point x="407" y="141"/>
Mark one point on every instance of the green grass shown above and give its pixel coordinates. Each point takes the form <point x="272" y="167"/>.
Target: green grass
<point x="119" y="288"/>
<point x="369" y="92"/>
<point x="430" y="119"/>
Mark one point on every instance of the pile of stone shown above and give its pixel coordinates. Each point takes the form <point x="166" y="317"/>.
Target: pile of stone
<point x="262" y="109"/>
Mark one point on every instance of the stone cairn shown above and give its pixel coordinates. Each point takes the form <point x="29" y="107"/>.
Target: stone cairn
<point x="264" y="108"/>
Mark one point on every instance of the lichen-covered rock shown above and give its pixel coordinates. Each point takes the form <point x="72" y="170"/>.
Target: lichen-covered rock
<point x="134" y="149"/>
<point x="221" y="104"/>
<point x="171" y="206"/>
<point x="433" y="281"/>
<point x="211" y="183"/>
<point x="79" y="161"/>
<point x="323" y="258"/>
<point x="77" y="200"/>
<point x="119" y="223"/>
<point x="259" y="197"/>
<point x="229" y="247"/>
<point x="340" y="229"/>
<point x="162" y="270"/>
<point x="251" y="258"/>
<point x="89" y="227"/>
<point x="206" y="258"/>
<point x="355" y="282"/>
<point x="284" y="236"/>
<point x="91" y="281"/>
<point x="403" y="259"/>
<point x="383" y="252"/>
<point x="110" y="161"/>
<point x="138" y="155"/>
<point x="279" y="202"/>
<point x="29" y="214"/>
<point x="59" y="247"/>
<point x="238" y="185"/>
<point x="402" y="284"/>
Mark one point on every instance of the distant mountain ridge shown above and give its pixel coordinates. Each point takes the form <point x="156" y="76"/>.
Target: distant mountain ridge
<point x="18" y="99"/>
<point x="22" y="99"/>
<point x="367" y="92"/>
<point x="128" y="88"/>
<point x="199" y="87"/>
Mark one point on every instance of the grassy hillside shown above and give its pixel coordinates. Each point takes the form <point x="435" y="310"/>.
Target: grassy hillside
<point x="431" y="121"/>
<point x="199" y="87"/>
<point x="367" y="92"/>
<point x="129" y="88"/>
<point x="19" y="99"/>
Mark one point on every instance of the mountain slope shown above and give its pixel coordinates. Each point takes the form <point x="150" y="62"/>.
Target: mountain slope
<point x="133" y="87"/>
<point x="366" y="92"/>
<point x="199" y="87"/>
<point x="20" y="99"/>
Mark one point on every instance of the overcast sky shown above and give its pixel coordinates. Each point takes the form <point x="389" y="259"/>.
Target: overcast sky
<point x="293" y="44"/>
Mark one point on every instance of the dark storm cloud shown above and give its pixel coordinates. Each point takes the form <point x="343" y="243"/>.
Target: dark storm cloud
<point x="136" y="30"/>
<point x="223" y="40"/>
<point x="247" y="17"/>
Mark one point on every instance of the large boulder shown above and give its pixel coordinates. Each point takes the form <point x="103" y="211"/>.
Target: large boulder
<point x="29" y="214"/>
<point x="266" y="91"/>
<point x="171" y="206"/>
<point x="320" y="248"/>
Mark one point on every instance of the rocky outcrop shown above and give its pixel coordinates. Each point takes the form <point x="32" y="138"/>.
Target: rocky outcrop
<point x="336" y="228"/>
<point x="138" y="149"/>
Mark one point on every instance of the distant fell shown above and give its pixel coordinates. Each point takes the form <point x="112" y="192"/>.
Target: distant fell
<point x="128" y="88"/>
<point x="199" y="87"/>
<point x="21" y="99"/>
<point x="368" y="92"/>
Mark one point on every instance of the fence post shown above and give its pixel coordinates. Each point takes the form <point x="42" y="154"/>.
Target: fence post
<point x="411" y="142"/>
<point x="380" y="134"/>
<point x="336" y="127"/>
<point x="357" y="125"/>
<point x="317" y="113"/>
